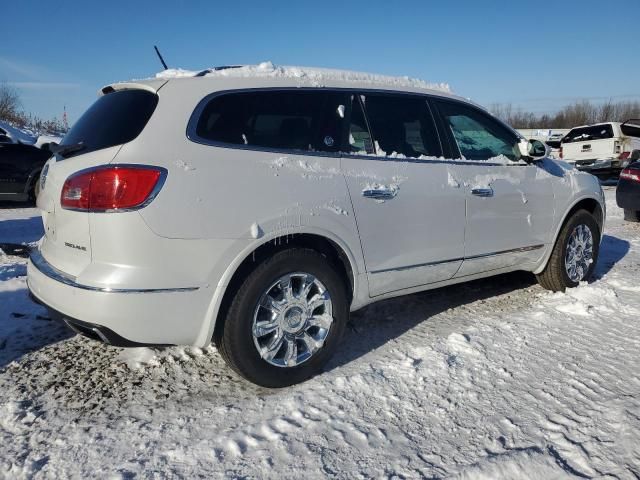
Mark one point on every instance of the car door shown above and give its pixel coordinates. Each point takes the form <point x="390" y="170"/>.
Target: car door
<point x="409" y="214"/>
<point x="510" y="203"/>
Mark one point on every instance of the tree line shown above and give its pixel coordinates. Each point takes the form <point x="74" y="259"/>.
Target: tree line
<point x="11" y="112"/>
<point x="573" y="115"/>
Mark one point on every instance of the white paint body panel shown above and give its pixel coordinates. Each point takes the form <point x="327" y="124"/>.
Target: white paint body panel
<point x="415" y="238"/>
<point x="203" y="223"/>
<point x="518" y="215"/>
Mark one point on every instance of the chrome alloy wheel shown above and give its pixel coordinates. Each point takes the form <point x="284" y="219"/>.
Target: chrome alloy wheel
<point x="579" y="255"/>
<point x="292" y="319"/>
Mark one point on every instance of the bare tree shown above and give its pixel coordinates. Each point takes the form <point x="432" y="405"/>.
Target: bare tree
<point x="569" y="116"/>
<point x="11" y="112"/>
<point x="9" y="102"/>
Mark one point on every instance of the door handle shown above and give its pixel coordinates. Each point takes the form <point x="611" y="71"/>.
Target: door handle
<point x="382" y="193"/>
<point x="482" y="192"/>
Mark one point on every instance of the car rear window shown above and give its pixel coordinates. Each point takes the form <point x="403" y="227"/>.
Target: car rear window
<point x="290" y="120"/>
<point x="631" y="128"/>
<point x="115" y="118"/>
<point x="584" y="134"/>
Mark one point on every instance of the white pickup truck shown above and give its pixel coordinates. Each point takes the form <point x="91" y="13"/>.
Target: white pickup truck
<point x="602" y="149"/>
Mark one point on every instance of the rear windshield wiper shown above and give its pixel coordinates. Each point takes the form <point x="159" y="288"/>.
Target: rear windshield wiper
<point x="64" y="150"/>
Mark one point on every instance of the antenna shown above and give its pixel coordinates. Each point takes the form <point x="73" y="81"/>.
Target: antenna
<point x="161" y="59"/>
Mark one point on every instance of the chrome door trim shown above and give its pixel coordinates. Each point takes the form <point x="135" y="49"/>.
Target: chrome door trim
<point x="380" y="193"/>
<point x="418" y="265"/>
<point x="502" y="252"/>
<point x="192" y="135"/>
<point x="482" y="192"/>
<point x="484" y="255"/>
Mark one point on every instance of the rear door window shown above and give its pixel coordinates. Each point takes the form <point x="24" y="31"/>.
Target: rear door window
<point x="281" y="120"/>
<point x="585" y="134"/>
<point x="115" y="118"/>
<point x="360" y="141"/>
<point x="402" y="126"/>
<point x="476" y="135"/>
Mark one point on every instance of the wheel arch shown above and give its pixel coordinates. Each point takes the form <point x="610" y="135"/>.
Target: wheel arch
<point x="590" y="204"/>
<point x="333" y="248"/>
<point x="34" y="176"/>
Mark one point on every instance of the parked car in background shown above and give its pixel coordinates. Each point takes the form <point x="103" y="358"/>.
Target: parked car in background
<point x="628" y="191"/>
<point x="47" y="142"/>
<point x="603" y="149"/>
<point x="255" y="207"/>
<point x="11" y="134"/>
<point x="20" y="167"/>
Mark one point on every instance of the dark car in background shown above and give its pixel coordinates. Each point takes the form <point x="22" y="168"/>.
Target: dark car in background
<point x="20" y="167"/>
<point x="628" y="191"/>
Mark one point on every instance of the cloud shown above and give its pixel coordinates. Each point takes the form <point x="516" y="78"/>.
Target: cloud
<point x="26" y="76"/>
<point x="44" y="85"/>
<point x="21" y="68"/>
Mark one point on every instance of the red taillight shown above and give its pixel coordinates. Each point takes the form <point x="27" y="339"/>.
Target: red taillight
<point x="624" y="155"/>
<point x="629" y="174"/>
<point x="560" y="152"/>
<point x="110" y="188"/>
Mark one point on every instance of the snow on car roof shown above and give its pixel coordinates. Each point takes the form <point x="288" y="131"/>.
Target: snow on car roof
<point x="314" y="76"/>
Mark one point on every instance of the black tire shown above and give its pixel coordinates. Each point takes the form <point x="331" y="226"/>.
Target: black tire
<point x="235" y="342"/>
<point x="554" y="277"/>
<point x="34" y="191"/>
<point x="631" y="215"/>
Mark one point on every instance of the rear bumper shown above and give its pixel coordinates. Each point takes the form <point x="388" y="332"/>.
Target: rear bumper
<point x="90" y="330"/>
<point x="599" y="166"/>
<point x="120" y="317"/>
<point x="628" y="195"/>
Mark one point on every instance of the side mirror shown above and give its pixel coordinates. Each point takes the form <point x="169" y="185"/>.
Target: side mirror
<point x="533" y="150"/>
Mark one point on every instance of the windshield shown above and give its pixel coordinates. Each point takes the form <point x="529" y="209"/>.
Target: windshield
<point x="114" y="119"/>
<point x="584" y="134"/>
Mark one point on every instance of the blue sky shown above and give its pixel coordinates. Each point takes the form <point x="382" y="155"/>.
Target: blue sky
<point x="535" y="54"/>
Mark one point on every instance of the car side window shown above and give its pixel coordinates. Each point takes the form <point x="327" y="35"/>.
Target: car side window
<point x="402" y="126"/>
<point x="360" y="141"/>
<point x="290" y="120"/>
<point x="477" y="135"/>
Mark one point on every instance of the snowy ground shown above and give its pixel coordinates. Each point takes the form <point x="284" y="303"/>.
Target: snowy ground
<point x="493" y="379"/>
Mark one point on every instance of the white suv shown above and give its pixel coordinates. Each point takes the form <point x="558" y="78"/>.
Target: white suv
<point x="602" y="148"/>
<point x="255" y="207"/>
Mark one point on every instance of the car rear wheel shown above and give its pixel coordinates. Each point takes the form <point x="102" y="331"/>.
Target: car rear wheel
<point x="631" y="215"/>
<point x="286" y="319"/>
<point x="34" y="191"/>
<point x="574" y="255"/>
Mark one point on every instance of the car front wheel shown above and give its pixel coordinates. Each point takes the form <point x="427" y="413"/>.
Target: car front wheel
<point x="286" y="320"/>
<point x="574" y="255"/>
